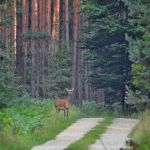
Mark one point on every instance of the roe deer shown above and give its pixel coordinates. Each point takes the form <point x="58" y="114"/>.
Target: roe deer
<point x="64" y="104"/>
<point x="133" y="144"/>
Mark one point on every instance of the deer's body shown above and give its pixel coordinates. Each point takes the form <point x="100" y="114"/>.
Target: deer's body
<point x="64" y="104"/>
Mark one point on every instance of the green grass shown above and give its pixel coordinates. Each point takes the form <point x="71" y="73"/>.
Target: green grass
<point x="29" y="122"/>
<point x="141" y="132"/>
<point x="91" y="136"/>
<point x="23" y="127"/>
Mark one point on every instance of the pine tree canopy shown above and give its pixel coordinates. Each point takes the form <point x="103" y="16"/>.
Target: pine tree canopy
<point x="107" y="46"/>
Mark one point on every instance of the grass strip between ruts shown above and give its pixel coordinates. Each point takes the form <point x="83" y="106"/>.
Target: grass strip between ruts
<point x="91" y="137"/>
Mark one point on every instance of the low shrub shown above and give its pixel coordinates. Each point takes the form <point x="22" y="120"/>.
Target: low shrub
<point x="29" y="122"/>
<point x="93" y="109"/>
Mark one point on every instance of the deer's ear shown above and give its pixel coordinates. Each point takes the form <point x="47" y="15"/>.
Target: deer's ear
<point x="56" y="97"/>
<point x="69" y="90"/>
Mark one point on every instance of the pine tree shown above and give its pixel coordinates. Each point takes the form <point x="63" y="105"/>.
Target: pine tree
<point x="107" y="47"/>
<point x="139" y="43"/>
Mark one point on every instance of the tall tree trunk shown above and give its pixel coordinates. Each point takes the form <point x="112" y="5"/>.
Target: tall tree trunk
<point x="75" y="50"/>
<point x="15" y="24"/>
<point x="80" y="62"/>
<point x="34" y="28"/>
<point x="25" y="5"/>
<point x="48" y="16"/>
<point x="43" y="15"/>
<point x="56" y="25"/>
<point x="86" y="85"/>
<point x="49" y="30"/>
<point x="19" y="49"/>
<point x="67" y="22"/>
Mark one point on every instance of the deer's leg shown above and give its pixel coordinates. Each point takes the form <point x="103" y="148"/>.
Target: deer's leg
<point x="67" y="112"/>
<point x="57" y="109"/>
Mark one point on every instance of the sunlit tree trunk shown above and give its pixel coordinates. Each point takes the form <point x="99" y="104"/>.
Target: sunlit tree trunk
<point x="48" y="16"/>
<point x="43" y="16"/>
<point x="40" y="9"/>
<point x="56" y="25"/>
<point x="67" y="22"/>
<point x="15" y="24"/>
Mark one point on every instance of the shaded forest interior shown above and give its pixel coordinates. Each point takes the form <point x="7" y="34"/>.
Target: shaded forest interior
<point x="42" y="36"/>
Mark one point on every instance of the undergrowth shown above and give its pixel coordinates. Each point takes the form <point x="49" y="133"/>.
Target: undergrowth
<point x="92" y="109"/>
<point x="141" y="133"/>
<point x="29" y="122"/>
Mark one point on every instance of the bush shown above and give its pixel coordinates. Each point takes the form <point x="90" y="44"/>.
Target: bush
<point x="20" y="121"/>
<point x="27" y="101"/>
<point x="91" y="109"/>
<point x="31" y="122"/>
<point x="137" y="101"/>
<point x="7" y="90"/>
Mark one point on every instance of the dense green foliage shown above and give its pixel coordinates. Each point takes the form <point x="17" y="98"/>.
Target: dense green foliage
<point x="93" y="109"/>
<point x="106" y="46"/>
<point x="7" y="78"/>
<point x="31" y="123"/>
<point x="59" y="73"/>
<point x="139" y="52"/>
<point x="139" y="43"/>
<point x="117" y="50"/>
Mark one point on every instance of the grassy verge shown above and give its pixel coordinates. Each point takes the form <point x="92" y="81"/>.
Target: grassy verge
<point x="23" y="127"/>
<point x="91" y="136"/>
<point x="141" y="133"/>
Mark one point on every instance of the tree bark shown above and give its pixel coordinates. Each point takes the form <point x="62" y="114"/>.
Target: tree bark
<point x="19" y="48"/>
<point x="56" y="25"/>
<point x="15" y="25"/>
<point x="35" y="66"/>
<point x="67" y="22"/>
<point x="48" y="16"/>
<point x="75" y="50"/>
<point x="24" y="30"/>
<point x="86" y="85"/>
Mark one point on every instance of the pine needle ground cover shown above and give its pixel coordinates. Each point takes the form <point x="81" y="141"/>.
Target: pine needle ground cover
<point x="22" y="127"/>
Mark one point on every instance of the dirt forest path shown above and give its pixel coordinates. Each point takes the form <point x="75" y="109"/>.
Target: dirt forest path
<point x="116" y="135"/>
<point x="73" y="133"/>
<point x="113" y="139"/>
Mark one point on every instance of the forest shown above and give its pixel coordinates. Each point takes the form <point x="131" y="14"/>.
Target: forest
<point x="98" y="48"/>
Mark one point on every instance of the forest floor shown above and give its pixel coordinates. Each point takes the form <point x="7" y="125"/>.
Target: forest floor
<point x="113" y="139"/>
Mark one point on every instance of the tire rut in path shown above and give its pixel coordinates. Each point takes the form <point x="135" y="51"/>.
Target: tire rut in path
<point x="70" y="135"/>
<point x="115" y="136"/>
